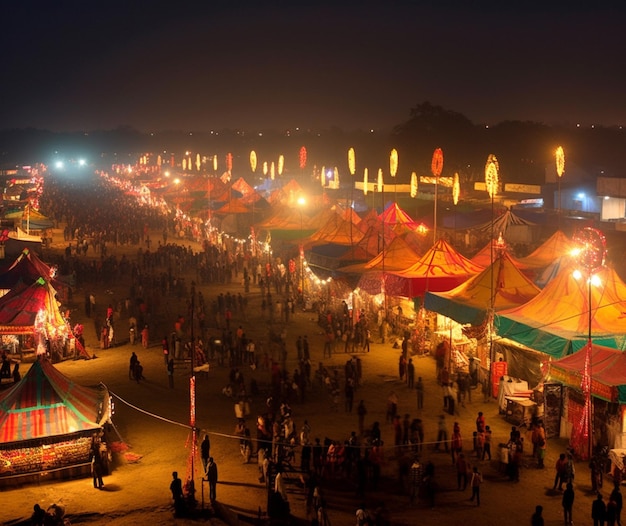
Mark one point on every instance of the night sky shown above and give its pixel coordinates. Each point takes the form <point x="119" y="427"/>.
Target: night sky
<point x="84" y="65"/>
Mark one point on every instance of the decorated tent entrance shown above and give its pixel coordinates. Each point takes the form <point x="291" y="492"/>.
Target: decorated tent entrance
<point x="608" y="390"/>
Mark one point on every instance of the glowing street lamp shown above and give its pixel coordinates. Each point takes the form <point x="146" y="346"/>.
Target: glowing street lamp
<point x="591" y="256"/>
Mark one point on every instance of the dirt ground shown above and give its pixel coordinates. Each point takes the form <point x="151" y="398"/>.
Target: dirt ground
<point x="150" y="418"/>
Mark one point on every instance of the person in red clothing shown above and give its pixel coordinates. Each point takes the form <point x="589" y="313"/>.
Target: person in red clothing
<point x="561" y="471"/>
<point x="145" y="337"/>
<point x="461" y="472"/>
<point x="480" y="422"/>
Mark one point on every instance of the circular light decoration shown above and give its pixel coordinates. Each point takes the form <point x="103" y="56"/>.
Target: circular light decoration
<point x="379" y="180"/>
<point x="215" y="163"/>
<point x="265" y="168"/>
<point x="302" y="158"/>
<point x="591" y="249"/>
<point x="365" y="182"/>
<point x="229" y="162"/>
<point x="456" y="189"/>
<point x="351" y="161"/>
<point x="492" y="170"/>
<point x="393" y="162"/>
<point x="272" y="171"/>
<point x="253" y="161"/>
<point x="560" y="161"/>
<point x="413" y="184"/>
<point x="436" y="165"/>
<point x="281" y="164"/>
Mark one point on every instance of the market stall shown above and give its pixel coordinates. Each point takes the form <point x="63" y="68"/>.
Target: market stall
<point x="49" y="424"/>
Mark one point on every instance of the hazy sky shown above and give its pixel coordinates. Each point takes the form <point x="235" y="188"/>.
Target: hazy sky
<point x="87" y="65"/>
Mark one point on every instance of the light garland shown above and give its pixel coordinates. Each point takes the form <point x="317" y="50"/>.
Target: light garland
<point x="492" y="175"/>
<point x="351" y="161"/>
<point x="393" y="162"/>
<point x="560" y="161"/>
<point x="302" y="158"/>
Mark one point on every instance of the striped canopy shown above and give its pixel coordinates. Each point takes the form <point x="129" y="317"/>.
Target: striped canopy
<point x="45" y="403"/>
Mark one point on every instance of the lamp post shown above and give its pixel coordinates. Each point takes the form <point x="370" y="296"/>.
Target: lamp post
<point x="560" y="168"/>
<point x="352" y="169"/>
<point x="591" y="252"/>
<point x="491" y="182"/>
<point x="436" y="166"/>
<point x="301" y="203"/>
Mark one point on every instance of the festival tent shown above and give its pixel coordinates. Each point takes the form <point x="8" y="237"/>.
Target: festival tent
<point x="442" y="268"/>
<point x="494" y="247"/>
<point x="398" y="255"/>
<point x="556" y="321"/>
<point x="366" y="249"/>
<point x="29" y="308"/>
<point x="27" y="268"/>
<point x="45" y="403"/>
<point x="512" y="227"/>
<point x="336" y="231"/>
<point x="370" y="220"/>
<point x="608" y="370"/>
<point x="556" y="246"/>
<point x="469" y="303"/>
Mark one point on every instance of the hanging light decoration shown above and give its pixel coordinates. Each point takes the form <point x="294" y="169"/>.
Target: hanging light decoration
<point x="492" y="175"/>
<point x="560" y="161"/>
<point x="379" y="181"/>
<point x="229" y="162"/>
<point x="302" y="158"/>
<point x="281" y="164"/>
<point x="215" y="163"/>
<point x="272" y="171"/>
<point x="159" y="160"/>
<point x="336" y="178"/>
<point x="265" y="168"/>
<point x="393" y="162"/>
<point x="351" y="161"/>
<point x="253" y="161"/>
<point x="456" y="189"/>
<point x="436" y="165"/>
<point x="198" y="162"/>
<point x="413" y="184"/>
<point x="323" y="176"/>
<point x="365" y="181"/>
<point x="184" y="164"/>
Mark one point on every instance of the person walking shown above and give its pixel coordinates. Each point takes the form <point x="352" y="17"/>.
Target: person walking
<point x="96" y="468"/>
<point x="568" y="503"/>
<point x="475" y="482"/>
<point x="131" y="369"/>
<point x="598" y="511"/>
<point x="410" y="374"/>
<point x="170" y="372"/>
<point x="461" y="472"/>
<point x="145" y="337"/>
<point x="205" y="452"/>
<point x="211" y="476"/>
<point x="361" y="411"/>
<point x="176" y="487"/>
<point x="537" y="518"/>
<point x="419" y="388"/>
<point x="616" y="496"/>
<point x="442" y="433"/>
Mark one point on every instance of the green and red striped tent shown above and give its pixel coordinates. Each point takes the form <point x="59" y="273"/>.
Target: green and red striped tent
<point x="45" y="403"/>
